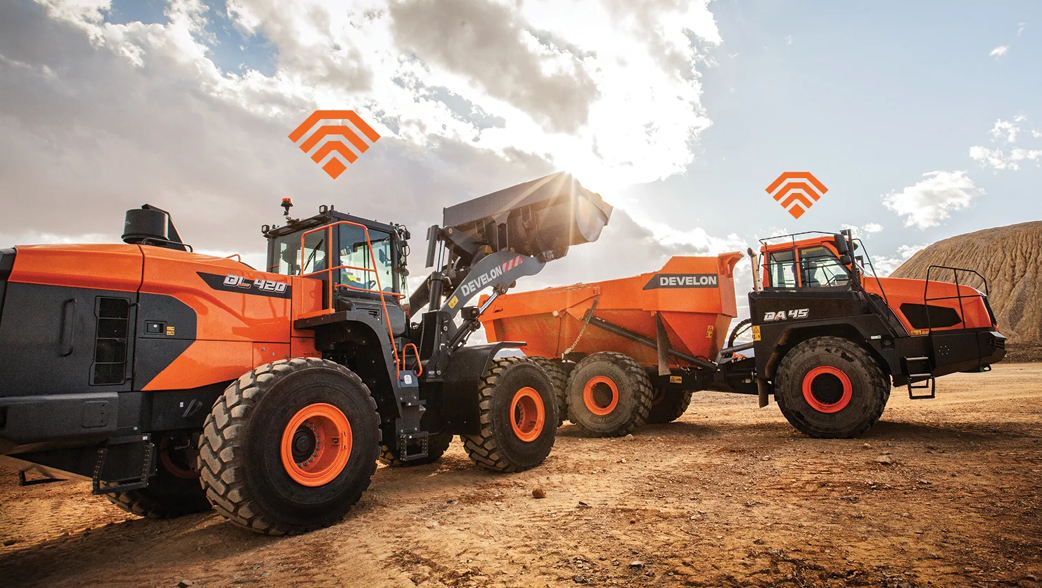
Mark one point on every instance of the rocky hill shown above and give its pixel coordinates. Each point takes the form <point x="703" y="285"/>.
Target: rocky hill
<point x="1011" y="260"/>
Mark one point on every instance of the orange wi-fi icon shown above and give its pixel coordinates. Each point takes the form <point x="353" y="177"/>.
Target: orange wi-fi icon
<point x="334" y="148"/>
<point x="798" y="191"/>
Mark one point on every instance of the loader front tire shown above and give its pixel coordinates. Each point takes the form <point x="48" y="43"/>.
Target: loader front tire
<point x="559" y="378"/>
<point x="518" y="417"/>
<point x="830" y="387"/>
<point x="173" y="492"/>
<point x="290" y="446"/>
<point x="669" y="405"/>
<point x="609" y="395"/>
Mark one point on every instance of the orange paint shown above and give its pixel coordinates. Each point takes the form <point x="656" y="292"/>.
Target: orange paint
<point x="550" y="320"/>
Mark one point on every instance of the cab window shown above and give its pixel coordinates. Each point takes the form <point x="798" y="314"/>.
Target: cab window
<point x="781" y="266"/>
<point x="287" y="259"/>
<point x="355" y="253"/>
<point x="819" y="268"/>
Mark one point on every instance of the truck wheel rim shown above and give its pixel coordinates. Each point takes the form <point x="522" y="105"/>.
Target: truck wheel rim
<point x="827" y="389"/>
<point x="316" y="445"/>
<point x="660" y="395"/>
<point x="600" y="395"/>
<point x="527" y="414"/>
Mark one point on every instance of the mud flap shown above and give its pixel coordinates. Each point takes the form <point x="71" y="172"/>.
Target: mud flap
<point x="459" y="405"/>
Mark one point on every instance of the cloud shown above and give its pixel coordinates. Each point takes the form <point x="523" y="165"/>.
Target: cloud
<point x="101" y="117"/>
<point x="610" y="91"/>
<point x="1008" y="129"/>
<point x="1020" y="27"/>
<point x="999" y="159"/>
<point x="489" y="44"/>
<point x="867" y="230"/>
<point x="1002" y="158"/>
<point x="999" y="51"/>
<point x="932" y="200"/>
<point x="885" y="266"/>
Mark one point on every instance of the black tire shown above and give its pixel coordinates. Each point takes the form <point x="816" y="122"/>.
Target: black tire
<point x="174" y="491"/>
<point x="559" y="378"/>
<point x="632" y="396"/>
<point x="668" y="405"/>
<point x="830" y="408"/>
<point x="509" y="386"/>
<point x="241" y="464"/>
<point x="437" y="444"/>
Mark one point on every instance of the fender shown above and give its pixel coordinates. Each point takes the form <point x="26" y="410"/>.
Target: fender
<point x="462" y="378"/>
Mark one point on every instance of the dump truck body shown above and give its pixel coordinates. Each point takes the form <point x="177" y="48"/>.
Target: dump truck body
<point x="693" y="297"/>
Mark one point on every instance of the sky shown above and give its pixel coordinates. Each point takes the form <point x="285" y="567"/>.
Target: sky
<point x="923" y="119"/>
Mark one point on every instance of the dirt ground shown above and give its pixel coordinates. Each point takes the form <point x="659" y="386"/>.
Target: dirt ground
<point x="730" y="495"/>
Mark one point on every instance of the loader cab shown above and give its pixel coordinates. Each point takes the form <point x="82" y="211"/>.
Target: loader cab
<point x="356" y="257"/>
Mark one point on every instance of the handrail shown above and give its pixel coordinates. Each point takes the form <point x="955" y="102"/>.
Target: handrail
<point x="379" y="291"/>
<point x="958" y="291"/>
<point x="416" y="352"/>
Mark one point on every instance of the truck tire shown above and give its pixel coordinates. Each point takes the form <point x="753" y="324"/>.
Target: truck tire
<point x="262" y="459"/>
<point x="830" y="387"/>
<point x="517" y="412"/>
<point x="559" y="378"/>
<point x="668" y="405"/>
<point x="437" y="444"/>
<point x="609" y="395"/>
<point x="173" y="492"/>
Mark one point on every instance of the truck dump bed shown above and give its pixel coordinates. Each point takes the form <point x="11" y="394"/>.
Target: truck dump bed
<point x="694" y="296"/>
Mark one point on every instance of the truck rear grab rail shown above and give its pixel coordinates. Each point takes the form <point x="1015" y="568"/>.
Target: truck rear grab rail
<point x="958" y="291"/>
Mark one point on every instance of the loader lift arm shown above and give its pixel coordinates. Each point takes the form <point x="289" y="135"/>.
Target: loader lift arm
<point x="492" y="241"/>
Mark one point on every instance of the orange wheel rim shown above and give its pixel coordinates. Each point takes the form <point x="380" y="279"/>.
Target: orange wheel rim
<point x="600" y="395"/>
<point x="527" y="414"/>
<point x="830" y="400"/>
<point x="316" y="445"/>
<point x="660" y="395"/>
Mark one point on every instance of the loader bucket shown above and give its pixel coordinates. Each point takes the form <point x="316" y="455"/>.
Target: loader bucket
<point x="541" y="218"/>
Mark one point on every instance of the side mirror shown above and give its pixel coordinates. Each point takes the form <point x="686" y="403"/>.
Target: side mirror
<point x="845" y="259"/>
<point x="841" y="244"/>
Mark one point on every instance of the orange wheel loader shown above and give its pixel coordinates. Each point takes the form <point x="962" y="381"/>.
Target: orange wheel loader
<point x="828" y="339"/>
<point x="176" y="381"/>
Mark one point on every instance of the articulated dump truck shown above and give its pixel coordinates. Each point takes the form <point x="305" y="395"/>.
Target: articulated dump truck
<point x="178" y="382"/>
<point x="828" y="339"/>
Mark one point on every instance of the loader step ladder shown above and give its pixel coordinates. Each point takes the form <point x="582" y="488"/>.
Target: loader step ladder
<point x="413" y="442"/>
<point x="920" y="377"/>
<point x="137" y="452"/>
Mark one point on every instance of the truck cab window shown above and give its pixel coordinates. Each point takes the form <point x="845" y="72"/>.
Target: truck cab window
<point x="781" y="266"/>
<point x="819" y="268"/>
<point x="355" y="253"/>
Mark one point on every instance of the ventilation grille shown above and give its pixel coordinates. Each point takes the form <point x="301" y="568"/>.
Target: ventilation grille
<point x="110" y="347"/>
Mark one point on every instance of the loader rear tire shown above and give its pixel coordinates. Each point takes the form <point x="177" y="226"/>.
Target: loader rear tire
<point x="669" y="405"/>
<point x="559" y="378"/>
<point x="290" y="446"/>
<point x="609" y="395"/>
<point x="436" y="446"/>
<point x="830" y="387"/>
<point x="173" y="492"/>
<point x="518" y="417"/>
